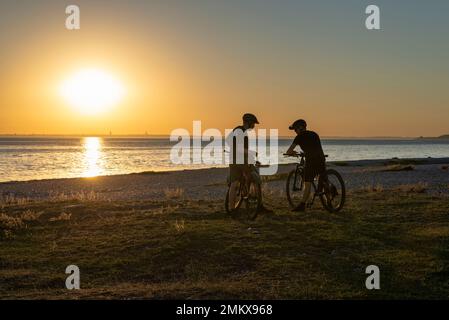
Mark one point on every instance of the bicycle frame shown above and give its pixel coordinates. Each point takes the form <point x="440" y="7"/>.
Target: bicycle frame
<point x="244" y="193"/>
<point x="322" y="187"/>
<point x="245" y="180"/>
<point x="300" y="167"/>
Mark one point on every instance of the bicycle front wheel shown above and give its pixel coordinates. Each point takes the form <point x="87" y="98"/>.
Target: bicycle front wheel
<point x="333" y="195"/>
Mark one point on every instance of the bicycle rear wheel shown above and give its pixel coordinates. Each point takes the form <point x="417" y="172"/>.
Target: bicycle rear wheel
<point x="253" y="200"/>
<point x="295" y="188"/>
<point x="238" y="199"/>
<point x="333" y="194"/>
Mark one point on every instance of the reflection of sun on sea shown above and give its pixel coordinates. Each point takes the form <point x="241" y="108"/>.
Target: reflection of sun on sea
<point x="92" y="153"/>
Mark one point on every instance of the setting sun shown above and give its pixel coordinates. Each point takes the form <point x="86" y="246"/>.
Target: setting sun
<point x="92" y="91"/>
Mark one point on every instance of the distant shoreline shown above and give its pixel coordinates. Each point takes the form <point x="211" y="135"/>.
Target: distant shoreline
<point x="443" y="137"/>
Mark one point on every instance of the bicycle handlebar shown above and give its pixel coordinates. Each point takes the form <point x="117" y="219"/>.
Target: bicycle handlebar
<point x="297" y="155"/>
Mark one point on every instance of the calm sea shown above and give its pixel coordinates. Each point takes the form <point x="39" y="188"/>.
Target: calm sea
<point x="28" y="158"/>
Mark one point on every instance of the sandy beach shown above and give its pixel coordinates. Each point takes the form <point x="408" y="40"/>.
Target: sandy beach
<point x="209" y="184"/>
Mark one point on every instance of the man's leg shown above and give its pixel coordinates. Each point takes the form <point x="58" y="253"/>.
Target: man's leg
<point x="323" y="186"/>
<point x="235" y="174"/>
<point x="256" y="177"/>
<point x="232" y="193"/>
<point x="306" y="195"/>
<point x="308" y="177"/>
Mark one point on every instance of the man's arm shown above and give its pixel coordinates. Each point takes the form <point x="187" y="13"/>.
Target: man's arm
<point x="291" y="150"/>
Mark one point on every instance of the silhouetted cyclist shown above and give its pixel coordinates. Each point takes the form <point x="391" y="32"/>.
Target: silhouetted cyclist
<point x="242" y="159"/>
<point x="310" y="144"/>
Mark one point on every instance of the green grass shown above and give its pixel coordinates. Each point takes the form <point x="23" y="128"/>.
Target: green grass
<point x="185" y="249"/>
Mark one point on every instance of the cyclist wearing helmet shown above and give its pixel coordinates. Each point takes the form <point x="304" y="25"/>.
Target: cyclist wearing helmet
<point x="310" y="144"/>
<point x="236" y="168"/>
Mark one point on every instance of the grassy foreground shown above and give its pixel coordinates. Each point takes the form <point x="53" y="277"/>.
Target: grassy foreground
<point x="176" y="248"/>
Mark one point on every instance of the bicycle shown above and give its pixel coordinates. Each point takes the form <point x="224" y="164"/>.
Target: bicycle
<point x="332" y="194"/>
<point x="249" y="191"/>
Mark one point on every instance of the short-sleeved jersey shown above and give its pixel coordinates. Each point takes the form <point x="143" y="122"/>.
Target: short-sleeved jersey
<point x="310" y="143"/>
<point x="240" y="152"/>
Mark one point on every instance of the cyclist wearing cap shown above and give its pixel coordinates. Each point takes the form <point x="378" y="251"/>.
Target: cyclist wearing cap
<point x="237" y="167"/>
<point x="310" y="144"/>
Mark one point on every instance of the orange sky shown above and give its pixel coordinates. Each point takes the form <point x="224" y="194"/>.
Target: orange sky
<point x="215" y="63"/>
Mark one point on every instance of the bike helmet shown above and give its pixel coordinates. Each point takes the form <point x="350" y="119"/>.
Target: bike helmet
<point x="297" y="124"/>
<point x="249" y="117"/>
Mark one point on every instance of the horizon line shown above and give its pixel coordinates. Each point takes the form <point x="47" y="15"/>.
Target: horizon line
<point x="103" y="135"/>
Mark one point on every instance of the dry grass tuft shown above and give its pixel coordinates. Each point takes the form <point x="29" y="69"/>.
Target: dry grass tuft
<point x="8" y="222"/>
<point x="165" y="209"/>
<point x="9" y="225"/>
<point x="77" y="196"/>
<point x="420" y="187"/>
<point x="62" y="217"/>
<point x="173" y="193"/>
<point x="373" y="188"/>
<point x="180" y="225"/>
<point x="29" y="216"/>
<point x="12" y="199"/>
<point x="54" y="196"/>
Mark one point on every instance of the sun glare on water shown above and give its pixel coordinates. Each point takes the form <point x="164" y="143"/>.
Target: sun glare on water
<point x="92" y="155"/>
<point x="92" y="91"/>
